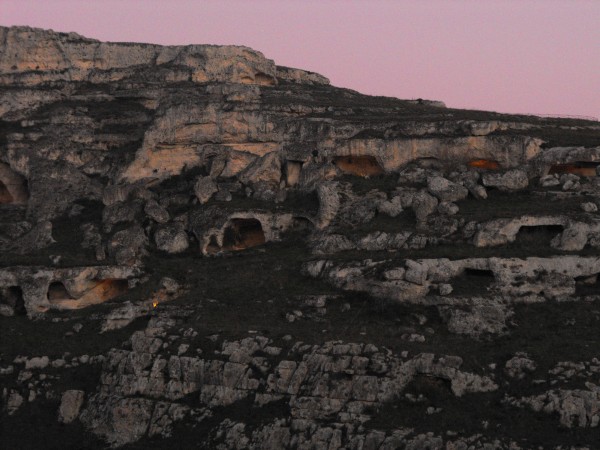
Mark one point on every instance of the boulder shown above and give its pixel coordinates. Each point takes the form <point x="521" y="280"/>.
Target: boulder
<point x="70" y="405"/>
<point x="204" y="188"/>
<point x="415" y="272"/>
<point x="171" y="238"/>
<point x="423" y="205"/>
<point x="156" y="212"/>
<point x="445" y="190"/>
<point x="589" y="207"/>
<point x="512" y="180"/>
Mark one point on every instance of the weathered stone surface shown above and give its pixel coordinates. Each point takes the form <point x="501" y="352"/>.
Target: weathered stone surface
<point x="171" y="238"/>
<point x="423" y="205"/>
<point x="70" y="405"/>
<point x="350" y="271"/>
<point x="445" y="190"/>
<point x="204" y="189"/>
<point x="513" y="180"/>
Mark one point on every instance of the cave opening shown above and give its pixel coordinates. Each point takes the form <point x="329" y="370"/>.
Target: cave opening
<point x="479" y="274"/>
<point x="580" y="168"/>
<point x="98" y="291"/>
<point x="108" y="289"/>
<point x="473" y="282"/>
<point x="57" y="292"/>
<point x="537" y="235"/>
<point x="241" y="234"/>
<point x="13" y="297"/>
<point x="362" y="166"/>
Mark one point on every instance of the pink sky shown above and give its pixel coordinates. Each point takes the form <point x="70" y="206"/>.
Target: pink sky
<point x="528" y="56"/>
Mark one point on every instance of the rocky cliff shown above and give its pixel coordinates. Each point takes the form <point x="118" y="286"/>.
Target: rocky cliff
<point x="202" y="249"/>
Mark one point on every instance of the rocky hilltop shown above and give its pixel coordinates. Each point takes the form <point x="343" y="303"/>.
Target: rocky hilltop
<point x="202" y="249"/>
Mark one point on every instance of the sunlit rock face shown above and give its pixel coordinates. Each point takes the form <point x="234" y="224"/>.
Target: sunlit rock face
<point x="200" y="248"/>
<point x="35" y="56"/>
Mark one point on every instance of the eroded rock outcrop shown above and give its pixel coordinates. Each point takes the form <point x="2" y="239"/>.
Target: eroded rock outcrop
<point x="210" y="250"/>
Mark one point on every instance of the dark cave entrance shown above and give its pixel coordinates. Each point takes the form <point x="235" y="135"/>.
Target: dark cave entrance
<point x="473" y="282"/>
<point x="13" y="297"/>
<point x="362" y="166"/>
<point x="241" y="234"/>
<point x="57" y="292"/>
<point x="580" y="168"/>
<point x="537" y="235"/>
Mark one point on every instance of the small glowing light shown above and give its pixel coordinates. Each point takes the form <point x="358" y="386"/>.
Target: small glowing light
<point x="154" y="304"/>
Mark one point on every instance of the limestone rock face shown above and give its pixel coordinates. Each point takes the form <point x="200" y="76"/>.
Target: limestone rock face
<point x="200" y="248"/>
<point x="44" y="56"/>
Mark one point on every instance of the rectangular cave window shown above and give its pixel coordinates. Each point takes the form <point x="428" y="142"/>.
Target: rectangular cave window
<point x="302" y="224"/>
<point x="13" y="297"/>
<point x="537" y="235"/>
<point x="473" y="282"/>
